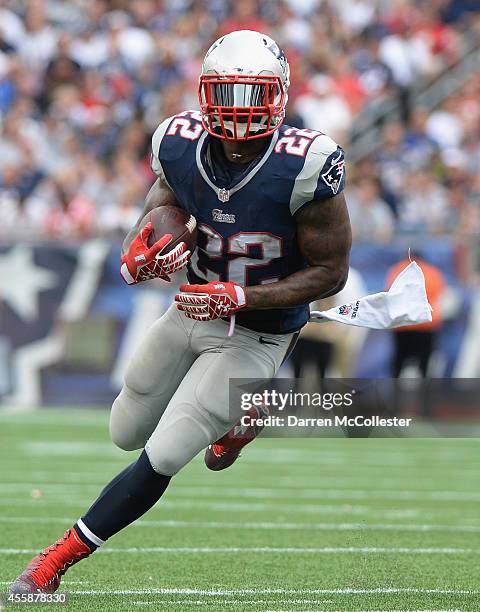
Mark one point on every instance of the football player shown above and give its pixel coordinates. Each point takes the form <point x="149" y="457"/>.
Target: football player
<point x="274" y="235"/>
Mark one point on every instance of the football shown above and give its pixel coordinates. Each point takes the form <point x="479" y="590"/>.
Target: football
<point x="172" y="220"/>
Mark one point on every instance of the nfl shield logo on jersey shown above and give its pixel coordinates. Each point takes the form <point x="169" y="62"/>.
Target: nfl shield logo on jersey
<point x="223" y="195"/>
<point x="345" y="309"/>
<point x="349" y="309"/>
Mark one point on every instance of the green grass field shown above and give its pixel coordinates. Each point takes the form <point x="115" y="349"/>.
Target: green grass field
<point x="295" y="525"/>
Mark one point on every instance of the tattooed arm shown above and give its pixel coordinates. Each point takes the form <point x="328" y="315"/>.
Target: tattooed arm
<point x="324" y="237"/>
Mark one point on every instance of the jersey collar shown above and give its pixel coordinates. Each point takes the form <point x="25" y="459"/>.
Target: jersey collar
<point x="224" y="194"/>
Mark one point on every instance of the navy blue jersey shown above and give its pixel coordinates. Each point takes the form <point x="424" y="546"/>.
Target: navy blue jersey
<point x="247" y="229"/>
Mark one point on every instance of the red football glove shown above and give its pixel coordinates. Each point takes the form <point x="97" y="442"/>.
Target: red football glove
<point x="141" y="262"/>
<point x="211" y="301"/>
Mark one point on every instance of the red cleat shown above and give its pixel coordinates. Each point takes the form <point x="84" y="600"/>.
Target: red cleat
<point x="45" y="571"/>
<point x="225" y="451"/>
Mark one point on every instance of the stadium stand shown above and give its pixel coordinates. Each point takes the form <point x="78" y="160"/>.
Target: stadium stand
<point x="83" y="85"/>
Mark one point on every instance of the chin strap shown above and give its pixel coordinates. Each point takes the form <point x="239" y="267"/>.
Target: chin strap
<point x="231" y="327"/>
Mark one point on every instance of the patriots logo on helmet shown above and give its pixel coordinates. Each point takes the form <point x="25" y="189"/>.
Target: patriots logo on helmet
<point x="334" y="175"/>
<point x="278" y="53"/>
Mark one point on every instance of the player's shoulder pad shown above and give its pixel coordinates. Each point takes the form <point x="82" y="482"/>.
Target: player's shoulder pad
<point x="322" y="175"/>
<point x="172" y="138"/>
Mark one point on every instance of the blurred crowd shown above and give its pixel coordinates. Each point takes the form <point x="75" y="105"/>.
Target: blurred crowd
<point x="84" y="83"/>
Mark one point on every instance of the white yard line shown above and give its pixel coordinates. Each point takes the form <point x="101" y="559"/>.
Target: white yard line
<point x="430" y="512"/>
<point x="74" y="418"/>
<point x="64" y="582"/>
<point x="31" y="501"/>
<point x="46" y="476"/>
<point x="344" y="494"/>
<point x="370" y="460"/>
<point x="300" y="482"/>
<point x="328" y="493"/>
<point x="275" y="526"/>
<point x="223" y="506"/>
<point x="226" y="602"/>
<point x="82" y="502"/>
<point x="256" y="602"/>
<point x="308" y="458"/>
<point x="51" y="486"/>
<point x="71" y="448"/>
<point x="428" y="476"/>
<point x="275" y="493"/>
<point x="278" y="591"/>
<point x="335" y="509"/>
<point x="327" y="550"/>
<point x="344" y="509"/>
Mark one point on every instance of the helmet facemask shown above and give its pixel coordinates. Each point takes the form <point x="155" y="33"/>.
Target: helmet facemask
<point x="241" y="107"/>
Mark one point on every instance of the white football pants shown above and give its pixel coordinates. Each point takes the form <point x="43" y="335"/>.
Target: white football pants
<point x="175" y="398"/>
